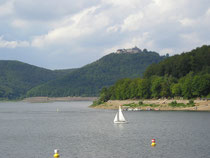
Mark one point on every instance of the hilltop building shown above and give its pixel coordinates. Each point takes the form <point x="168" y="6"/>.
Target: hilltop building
<point x="130" y="50"/>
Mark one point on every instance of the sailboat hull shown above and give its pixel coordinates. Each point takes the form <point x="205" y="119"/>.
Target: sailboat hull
<point x="120" y="122"/>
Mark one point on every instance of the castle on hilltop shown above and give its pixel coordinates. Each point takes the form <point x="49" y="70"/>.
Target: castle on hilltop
<point x="130" y="50"/>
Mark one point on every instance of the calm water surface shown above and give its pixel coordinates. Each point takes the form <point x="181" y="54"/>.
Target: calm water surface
<point x="34" y="130"/>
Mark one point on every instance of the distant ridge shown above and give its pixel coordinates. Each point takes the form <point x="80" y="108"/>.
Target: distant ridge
<point x="16" y="78"/>
<point x="20" y="80"/>
<point x="89" y="80"/>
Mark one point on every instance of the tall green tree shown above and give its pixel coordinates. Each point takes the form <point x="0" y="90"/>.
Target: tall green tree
<point x="186" y="86"/>
<point x="156" y="82"/>
<point x="201" y="85"/>
<point x="176" y="90"/>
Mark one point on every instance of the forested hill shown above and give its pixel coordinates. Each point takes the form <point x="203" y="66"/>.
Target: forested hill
<point x="197" y="61"/>
<point x="186" y="75"/>
<point x="16" y="78"/>
<point x="88" y="80"/>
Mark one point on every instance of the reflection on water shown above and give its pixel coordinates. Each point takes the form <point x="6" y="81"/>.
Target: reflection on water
<point x="119" y="126"/>
<point x="35" y="129"/>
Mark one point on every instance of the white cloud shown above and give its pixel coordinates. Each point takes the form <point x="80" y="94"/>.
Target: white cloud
<point x="133" y="22"/>
<point x="113" y="29"/>
<point x="124" y="3"/>
<point x="164" y="5"/>
<point x="166" y="50"/>
<point x="72" y="28"/>
<point x="191" y="38"/>
<point x="208" y="13"/>
<point x="165" y="26"/>
<point x="143" y="41"/>
<point x="6" y="8"/>
<point x="187" y="22"/>
<point x="126" y="6"/>
<point x="20" y="23"/>
<point x="12" y="44"/>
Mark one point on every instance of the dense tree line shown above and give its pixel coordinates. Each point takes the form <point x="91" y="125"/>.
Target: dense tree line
<point x="186" y="75"/>
<point x="198" y="60"/>
<point x="190" y="86"/>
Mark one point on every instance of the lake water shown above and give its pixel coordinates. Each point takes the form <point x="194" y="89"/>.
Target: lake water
<point x="34" y="130"/>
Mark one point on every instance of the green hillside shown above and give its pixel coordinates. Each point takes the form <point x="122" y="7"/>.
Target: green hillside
<point x="186" y="75"/>
<point x="197" y="60"/>
<point x="16" y="78"/>
<point x="65" y="71"/>
<point x="88" y="80"/>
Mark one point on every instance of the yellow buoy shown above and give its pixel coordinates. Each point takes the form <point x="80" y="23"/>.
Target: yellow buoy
<point x="153" y="143"/>
<point x="56" y="155"/>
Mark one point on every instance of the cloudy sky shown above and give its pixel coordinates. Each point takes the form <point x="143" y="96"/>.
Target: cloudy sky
<point x="58" y="34"/>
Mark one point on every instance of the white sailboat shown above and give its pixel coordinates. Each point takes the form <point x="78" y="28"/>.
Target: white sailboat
<point x="119" y="117"/>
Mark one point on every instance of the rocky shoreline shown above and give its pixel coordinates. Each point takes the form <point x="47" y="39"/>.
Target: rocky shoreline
<point x="53" y="99"/>
<point x="162" y="104"/>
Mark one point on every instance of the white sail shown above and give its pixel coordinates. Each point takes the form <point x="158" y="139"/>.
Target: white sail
<point x="116" y="118"/>
<point x="119" y="118"/>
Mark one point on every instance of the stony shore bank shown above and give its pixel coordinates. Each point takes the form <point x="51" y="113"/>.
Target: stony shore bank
<point x="162" y="104"/>
<point x="52" y="99"/>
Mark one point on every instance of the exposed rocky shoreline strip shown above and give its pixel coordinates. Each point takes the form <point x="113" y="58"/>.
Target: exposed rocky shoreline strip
<point x="52" y="99"/>
<point x="162" y="104"/>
